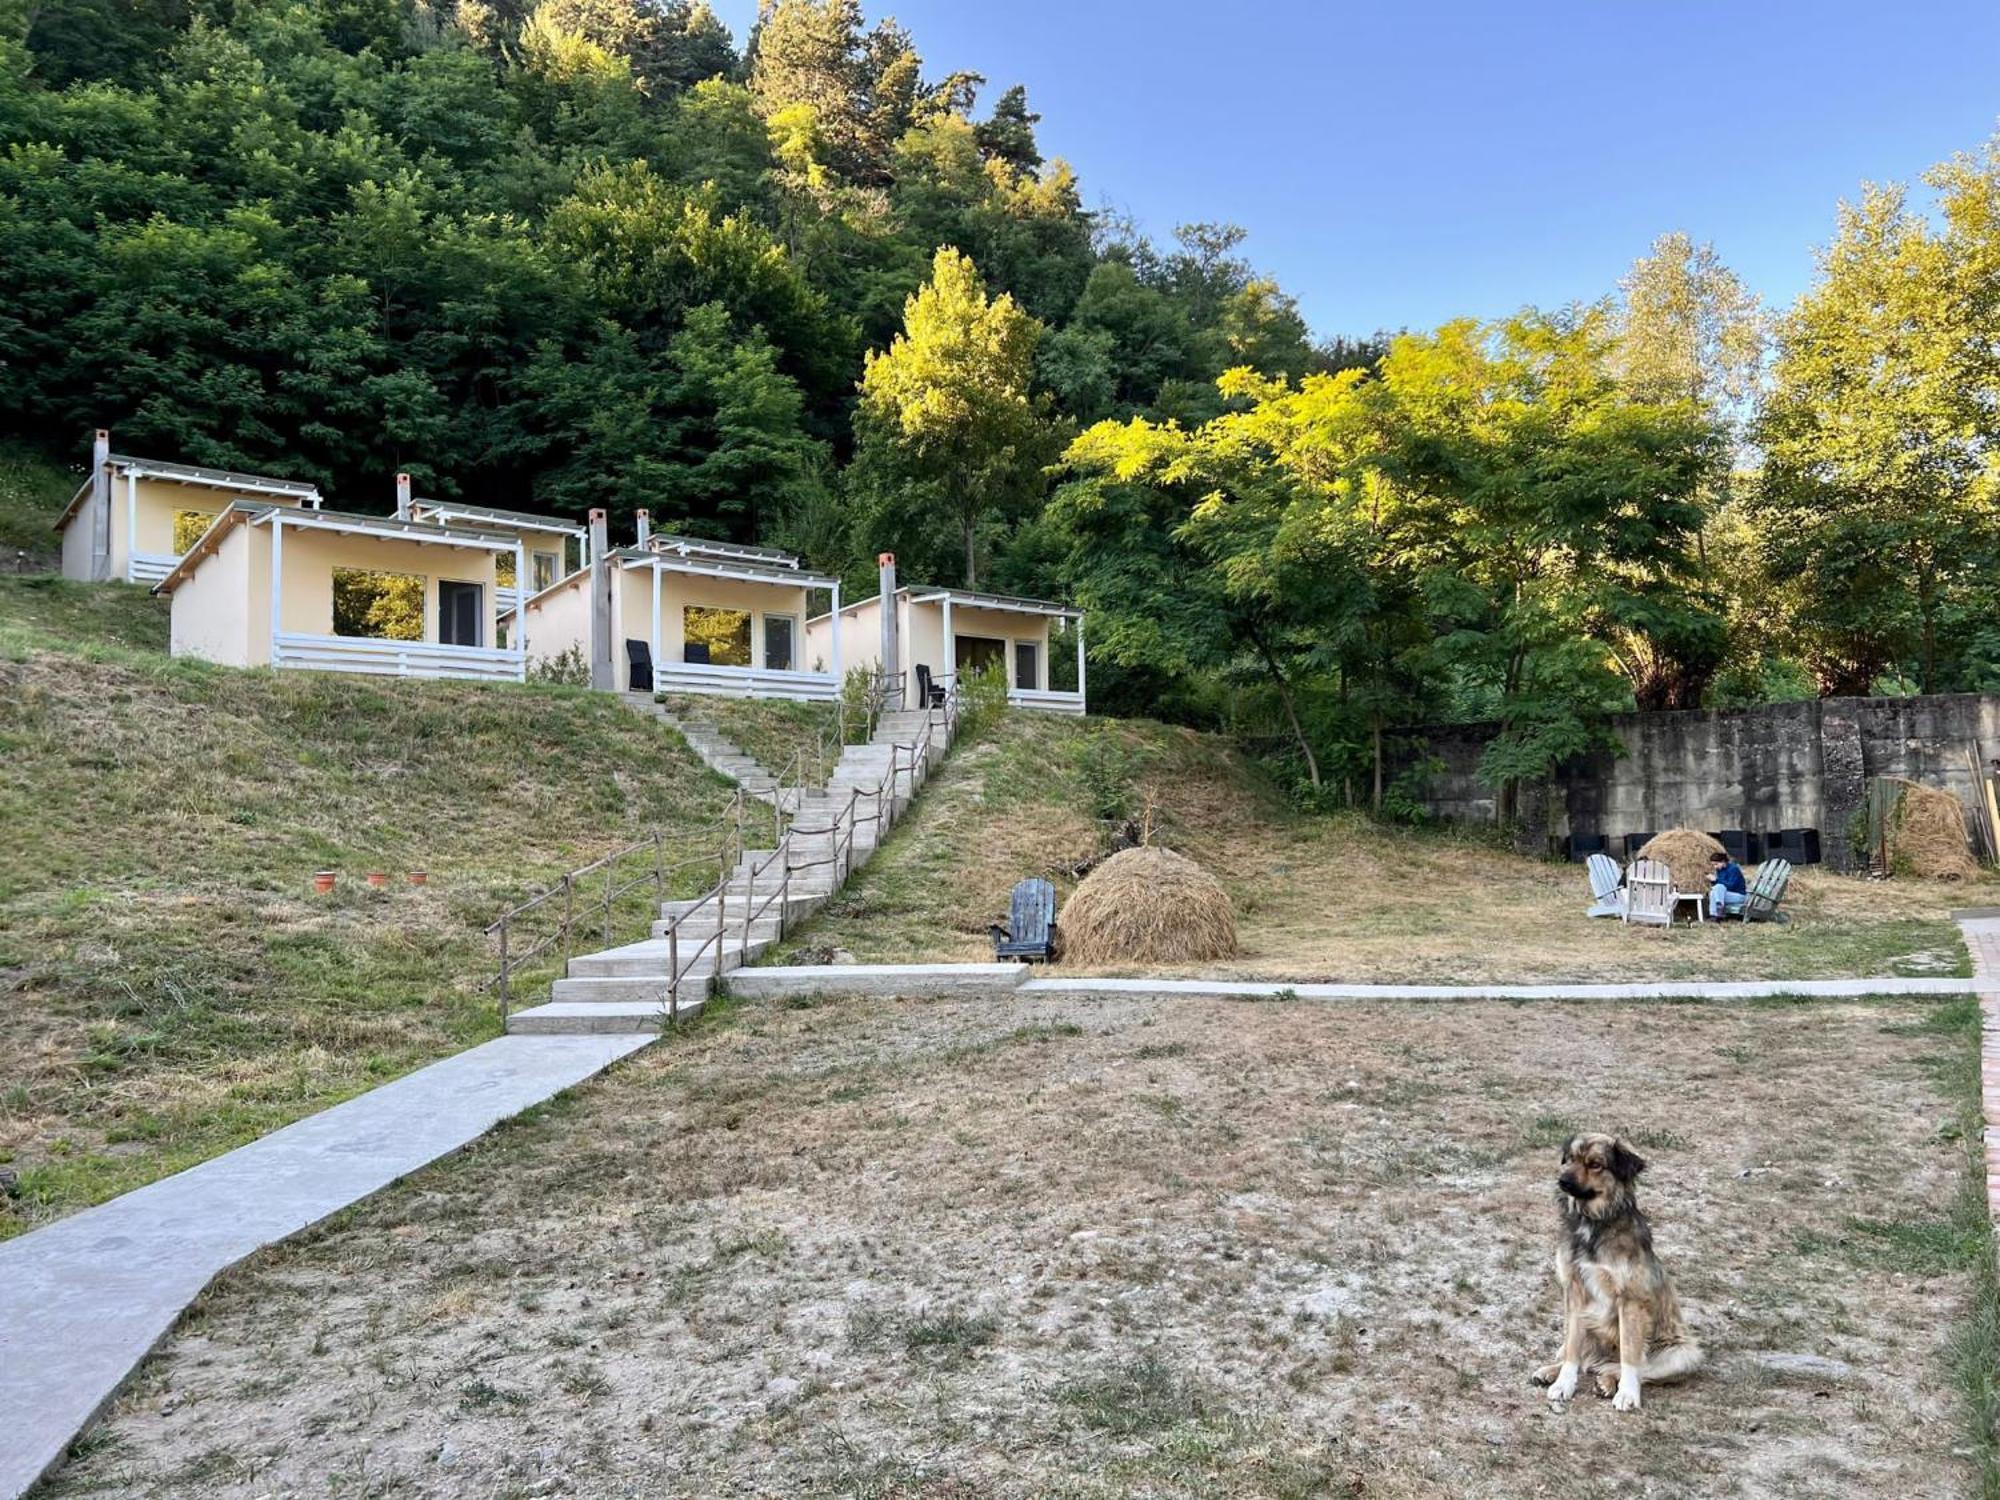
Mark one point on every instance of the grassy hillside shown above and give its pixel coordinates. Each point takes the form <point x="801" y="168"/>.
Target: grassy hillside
<point x="169" y="984"/>
<point x="33" y="492"/>
<point x="1337" y="898"/>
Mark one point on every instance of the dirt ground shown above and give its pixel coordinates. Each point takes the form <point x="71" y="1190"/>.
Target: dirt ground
<point x="1090" y="1249"/>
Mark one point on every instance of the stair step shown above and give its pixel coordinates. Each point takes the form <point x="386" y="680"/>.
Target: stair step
<point x="649" y="959"/>
<point x="561" y="1018"/>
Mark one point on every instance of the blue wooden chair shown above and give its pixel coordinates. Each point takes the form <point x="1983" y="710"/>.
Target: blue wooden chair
<point x="1029" y="933"/>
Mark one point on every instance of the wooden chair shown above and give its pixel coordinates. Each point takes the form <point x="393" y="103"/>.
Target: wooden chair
<point x="1649" y="894"/>
<point x="1029" y="932"/>
<point x="638" y="667"/>
<point x="1760" y="902"/>
<point x="1607" y="899"/>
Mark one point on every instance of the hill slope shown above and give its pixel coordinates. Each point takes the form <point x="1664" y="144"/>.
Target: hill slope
<point x="169" y="984"/>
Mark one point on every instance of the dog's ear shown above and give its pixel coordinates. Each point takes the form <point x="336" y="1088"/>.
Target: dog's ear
<point x="1625" y="1163"/>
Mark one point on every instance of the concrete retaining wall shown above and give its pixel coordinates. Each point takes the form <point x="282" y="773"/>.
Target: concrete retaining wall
<point x="1782" y="765"/>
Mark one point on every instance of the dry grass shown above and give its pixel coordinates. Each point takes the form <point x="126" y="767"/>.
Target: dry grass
<point x="169" y="986"/>
<point x="1929" y="839"/>
<point x="1686" y="852"/>
<point x="1074" y="1249"/>
<point x="1335" y="898"/>
<point x="1148" y="906"/>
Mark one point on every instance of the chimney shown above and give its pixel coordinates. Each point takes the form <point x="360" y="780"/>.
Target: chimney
<point x="892" y="657"/>
<point x="602" y="576"/>
<point x="100" y="505"/>
<point x="644" y="518"/>
<point x="403" y="497"/>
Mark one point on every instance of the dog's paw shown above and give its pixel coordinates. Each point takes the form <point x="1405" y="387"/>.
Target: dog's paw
<point x="1546" y="1375"/>
<point x="1564" y="1385"/>
<point x="1606" y="1384"/>
<point x="1627" y="1398"/>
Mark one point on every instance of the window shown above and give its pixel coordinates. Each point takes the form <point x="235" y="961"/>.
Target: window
<point x="460" y="615"/>
<point x="190" y="526"/>
<point x="547" y="566"/>
<point x="1027" y="665"/>
<point x="778" y="643"/>
<point x="381" y="606"/>
<point x="718" y="636"/>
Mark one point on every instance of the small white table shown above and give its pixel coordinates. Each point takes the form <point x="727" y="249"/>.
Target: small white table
<point x="1700" y="904"/>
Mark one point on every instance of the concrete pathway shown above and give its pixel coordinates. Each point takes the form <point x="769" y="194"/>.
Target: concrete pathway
<point x="1982" y="939"/>
<point x="947" y="979"/>
<point x="84" y="1300"/>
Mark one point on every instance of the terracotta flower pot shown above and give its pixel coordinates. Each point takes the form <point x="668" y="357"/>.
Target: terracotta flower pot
<point x="323" y="880"/>
<point x="420" y="877"/>
<point x="378" y="878"/>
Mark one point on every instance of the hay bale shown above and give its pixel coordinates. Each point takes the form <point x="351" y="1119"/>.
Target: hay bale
<point x="1147" y="906"/>
<point x="1685" y="851"/>
<point x="1928" y="837"/>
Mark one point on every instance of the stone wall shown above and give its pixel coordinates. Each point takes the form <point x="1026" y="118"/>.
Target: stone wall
<point x="1783" y="765"/>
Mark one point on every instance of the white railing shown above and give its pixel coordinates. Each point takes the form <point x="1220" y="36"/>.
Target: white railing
<point x="508" y="597"/>
<point x="344" y="653"/>
<point x="744" y="682"/>
<point x="1050" y="702"/>
<point x="149" y="567"/>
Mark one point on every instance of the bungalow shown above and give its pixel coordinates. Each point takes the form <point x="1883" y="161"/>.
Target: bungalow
<point x="545" y="541"/>
<point x="948" y="631"/>
<point x="269" y="586"/>
<point x="688" y="615"/>
<point x="134" y="518"/>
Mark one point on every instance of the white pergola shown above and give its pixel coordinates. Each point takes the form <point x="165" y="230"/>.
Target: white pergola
<point x="401" y="658"/>
<point x="972" y="599"/>
<point x="739" y="565"/>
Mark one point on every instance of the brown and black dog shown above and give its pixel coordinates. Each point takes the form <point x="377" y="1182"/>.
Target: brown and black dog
<point x="1621" y="1323"/>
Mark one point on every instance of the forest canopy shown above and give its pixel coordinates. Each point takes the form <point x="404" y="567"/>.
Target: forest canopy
<point x="805" y="291"/>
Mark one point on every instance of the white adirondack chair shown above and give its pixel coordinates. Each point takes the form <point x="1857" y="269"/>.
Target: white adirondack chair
<point x="1649" y="894"/>
<point x="1607" y="896"/>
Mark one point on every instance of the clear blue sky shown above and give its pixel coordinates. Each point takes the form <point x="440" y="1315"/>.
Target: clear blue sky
<point x="1401" y="163"/>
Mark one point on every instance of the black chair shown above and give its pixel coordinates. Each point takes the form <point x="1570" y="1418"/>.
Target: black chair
<point x="1798" y="845"/>
<point x="1029" y="932"/>
<point x="695" y="653"/>
<point x="638" y="667"/>
<point x="929" y="694"/>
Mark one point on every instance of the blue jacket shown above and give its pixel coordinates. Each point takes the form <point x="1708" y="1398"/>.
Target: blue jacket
<point x="1730" y="878"/>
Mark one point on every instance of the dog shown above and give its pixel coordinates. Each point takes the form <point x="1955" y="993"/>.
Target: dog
<point x="1621" y="1322"/>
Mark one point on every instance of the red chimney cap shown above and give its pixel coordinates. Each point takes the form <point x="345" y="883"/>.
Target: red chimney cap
<point x="885" y="559"/>
<point x="402" y="478"/>
<point x="642" y="511"/>
<point x="597" y="513"/>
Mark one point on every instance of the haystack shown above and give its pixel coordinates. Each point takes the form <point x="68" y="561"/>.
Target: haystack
<point x="1928" y="838"/>
<point x="1685" y="851"/>
<point x="1147" y="906"/>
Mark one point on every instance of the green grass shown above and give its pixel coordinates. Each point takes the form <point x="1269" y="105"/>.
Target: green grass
<point x="172" y="986"/>
<point x="33" y="492"/>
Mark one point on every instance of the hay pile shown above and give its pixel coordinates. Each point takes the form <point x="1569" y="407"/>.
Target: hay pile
<point x="1685" y="851"/>
<point x="1147" y="906"/>
<point x="1928" y="838"/>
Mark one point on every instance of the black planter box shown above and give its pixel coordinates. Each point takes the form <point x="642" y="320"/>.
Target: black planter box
<point x="1582" y="845"/>
<point x="1634" y="842"/>
<point x="1799" y="845"/>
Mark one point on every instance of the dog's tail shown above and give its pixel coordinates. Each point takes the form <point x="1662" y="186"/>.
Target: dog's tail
<point x="1672" y="1361"/>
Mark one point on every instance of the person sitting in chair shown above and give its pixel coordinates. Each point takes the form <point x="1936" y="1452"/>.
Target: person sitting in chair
<point x="1727" y="894"/>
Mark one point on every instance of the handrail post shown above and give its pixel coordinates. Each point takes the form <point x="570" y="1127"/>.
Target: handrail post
<point x="569" y="914"/>
<point x="503" y="974"/>
<point x="721" y="913"/>
<point x="674" y="970"/>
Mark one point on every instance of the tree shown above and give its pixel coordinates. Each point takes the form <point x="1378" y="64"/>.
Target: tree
<point x="948" y="425"/>
<point x="1008" y="134"/>
<point x="1875" y="499"/>
<point x="1689" y="330"/>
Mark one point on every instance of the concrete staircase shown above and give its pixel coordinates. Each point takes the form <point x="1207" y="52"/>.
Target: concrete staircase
<point x="714" y="748"/>
<point x="833" y="830"/>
